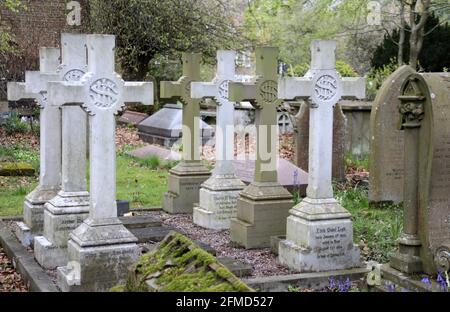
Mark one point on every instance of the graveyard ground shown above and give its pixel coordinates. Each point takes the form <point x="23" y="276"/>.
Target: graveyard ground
<point x="144" y="182"/>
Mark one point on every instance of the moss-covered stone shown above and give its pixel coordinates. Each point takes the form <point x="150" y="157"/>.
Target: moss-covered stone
<point x="16" y="169"/>
<point x="178" y="264"/>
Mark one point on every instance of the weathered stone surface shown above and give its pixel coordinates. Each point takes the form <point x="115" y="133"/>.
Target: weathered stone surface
<point x="101" y="248"/>
<point x="339" y="140"/>
<point x="178" y="264"/>
<point x="434" y="176"/>
<point x="262" y="211"/>
<point x="386" y="142"/>
<point x="165" y="127"/>
<point x="357" y="113"/>
<point x="219" y="194"/>
<point x="184" y="184"/>
<point x="185" y="179"/>
<point x="70" y="206"/>
<point x="16" y="169"/>
<point x="290" y="176"/>
<point x="264" y="204"/>
<point x="131" y="118"/>
<point x="236" y="267"/>
<point x="50" y="136"/>
<point x="319" y="234"/>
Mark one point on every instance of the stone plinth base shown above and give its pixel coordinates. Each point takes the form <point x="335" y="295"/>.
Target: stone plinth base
<point x="407" y="259"/>
<point x="62" y="215"/>
<point x="184" y="184"/>
<point x="99" y="255"/>
<point x="23" y="234"/>
<point x="33" y="209"/>
<point x="218" y="202"/>
<point x="319" y="237"/>
<point x="262" y="210"/>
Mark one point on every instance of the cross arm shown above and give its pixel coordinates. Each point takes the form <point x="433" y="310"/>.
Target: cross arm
<point x="290" y="88"/>
<point x="36" y="81"/>
<point x="16" y="91"/>
<point x="138" y="92"/>
<point x="201" y="90"/>
<point x="241" y="91"/>
<point x="170" y="89"/>
<point x="354" y="87"/>
<point x="60" y="93"/>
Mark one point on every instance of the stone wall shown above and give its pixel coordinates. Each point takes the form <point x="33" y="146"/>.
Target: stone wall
<point x="39" y="24"/>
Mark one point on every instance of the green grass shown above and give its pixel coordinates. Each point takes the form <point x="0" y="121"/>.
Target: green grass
<point x="142" y="183"/>
<point x="12" y="194"/>
<point x="20" y="153"/>
<point x="375" y="228"/>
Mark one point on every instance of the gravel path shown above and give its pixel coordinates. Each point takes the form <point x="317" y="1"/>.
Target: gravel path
<point x="263" y="261"/>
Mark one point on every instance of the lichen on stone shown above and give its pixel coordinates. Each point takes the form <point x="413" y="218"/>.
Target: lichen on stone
<point x="16" y="169"/>
<point x="178" y="264"/>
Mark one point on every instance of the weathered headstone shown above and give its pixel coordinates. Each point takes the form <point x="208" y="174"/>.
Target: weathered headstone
<point x="289" y="175"/>
<point x="219" y="194"/>
<point x="319" y="235"/>
<point x="339" y="135"/>
<point x="101" y="248"/>
<point x="67" y="210"/>
<point x="263" y="205"/>
<point x="50" y="140"/>
<point x="165" y="127"/>
<point x="386" y="142"/>
<point x="185" y="179"/>
<point x="425" y="120"/>
<point x="131" y="118"/>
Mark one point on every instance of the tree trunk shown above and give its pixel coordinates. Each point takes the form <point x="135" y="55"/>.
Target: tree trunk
<point x="401" y="41"/>
<point x="417" y="31"/>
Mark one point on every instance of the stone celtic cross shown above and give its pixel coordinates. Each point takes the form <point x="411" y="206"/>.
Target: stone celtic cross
<point x="218" y="90"/>
<point x="102" y="93"/>
<point x="323" y="86"/>
<point x="262" y="93"/>
<point x="35" y="87"/>
<point x="218" y="194"/>
<point x="305" y="248"/>
<point x="71" y="205"/>
<point x="181" y="90"/>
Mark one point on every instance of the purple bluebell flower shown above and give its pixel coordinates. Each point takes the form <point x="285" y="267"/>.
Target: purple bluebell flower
<point x="332" y="283"/>
<point x="391" y="287"/>
<point x="427" y="282"/>
<point x="442" y="281"/>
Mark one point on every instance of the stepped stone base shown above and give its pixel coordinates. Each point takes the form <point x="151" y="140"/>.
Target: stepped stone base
<point x="184" y="184"/>
<point x="62" y="215"/>
<point x="319" y="237"/>
<point x="99" y="256"/>
<point x="262" y="210"/>
<point x="218" y="202"/>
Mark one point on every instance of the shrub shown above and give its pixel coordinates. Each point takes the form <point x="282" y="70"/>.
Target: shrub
<point x="377" y="76"/>
<point x="15" y="125"/>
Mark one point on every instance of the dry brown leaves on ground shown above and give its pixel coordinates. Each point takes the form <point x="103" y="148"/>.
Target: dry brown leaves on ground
<point x="126" y="136"/>
<point x="28" y="139"/>
<point x="10" y="280"/>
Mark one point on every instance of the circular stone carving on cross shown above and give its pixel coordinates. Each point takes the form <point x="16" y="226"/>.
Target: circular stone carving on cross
<point x="268" y="91"/>
<point x="326" y="88"/>
<point x="223" y="90"/>
<point x="104" y="93"/>
<point x="73" y="75"/>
